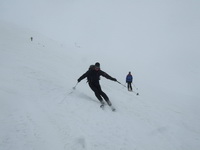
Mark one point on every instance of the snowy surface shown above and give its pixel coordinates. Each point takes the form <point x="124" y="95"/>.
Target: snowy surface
<point x="40" y="110"/>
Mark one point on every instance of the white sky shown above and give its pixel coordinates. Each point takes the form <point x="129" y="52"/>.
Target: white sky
<point x="104" y="22"/>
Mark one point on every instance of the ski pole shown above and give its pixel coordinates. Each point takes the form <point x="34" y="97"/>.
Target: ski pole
<point x="66" y="94"/>
<point x="136" y="89"/>
<point x="135" y="86"/>
<point x="121" y="84"/>
<point x="75" y="86"/>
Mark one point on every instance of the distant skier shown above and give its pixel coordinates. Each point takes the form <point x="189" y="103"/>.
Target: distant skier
<point x="31" y="38"/>
<point x="129" y="79"/>
<point x="93" y="77"/>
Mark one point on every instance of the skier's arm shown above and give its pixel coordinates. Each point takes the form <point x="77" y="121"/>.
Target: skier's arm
<point x="83" y="76"/>
<point x="107" y="76"/>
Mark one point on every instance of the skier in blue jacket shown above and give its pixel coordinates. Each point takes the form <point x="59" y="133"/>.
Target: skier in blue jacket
<point x="129" y="79"/>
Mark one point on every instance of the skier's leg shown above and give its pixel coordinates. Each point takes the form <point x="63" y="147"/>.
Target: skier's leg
<point x="128" y="86"/>
<point x="104" y="96"/>
<point x="96" y="92"/>
<point x="131" y="87"/>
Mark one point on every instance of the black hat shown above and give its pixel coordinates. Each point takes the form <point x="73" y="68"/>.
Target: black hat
<point x="97" y="65"/>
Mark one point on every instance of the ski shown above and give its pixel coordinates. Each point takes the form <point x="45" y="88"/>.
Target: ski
<point x="111" y="107"/>
<point x="102" y="106"/>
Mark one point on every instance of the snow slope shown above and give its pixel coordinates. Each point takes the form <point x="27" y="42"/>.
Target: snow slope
<point x="40" y="110"/>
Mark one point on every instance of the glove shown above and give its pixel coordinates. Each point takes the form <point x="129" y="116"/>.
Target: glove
<point x="78" y="80"/>
<point x="114" y="79"/>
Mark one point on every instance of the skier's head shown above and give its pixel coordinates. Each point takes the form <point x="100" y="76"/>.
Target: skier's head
<point x="97" y="65"/>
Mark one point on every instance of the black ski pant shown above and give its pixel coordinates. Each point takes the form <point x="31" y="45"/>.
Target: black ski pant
<point x="129" y="86"/>
<point x="96" y="88"/>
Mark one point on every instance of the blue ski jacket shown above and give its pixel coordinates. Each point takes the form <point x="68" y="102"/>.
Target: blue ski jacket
<point x="129" y="78"/>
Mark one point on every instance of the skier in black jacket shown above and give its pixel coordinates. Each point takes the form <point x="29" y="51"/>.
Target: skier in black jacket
<point x="93" y="77"/>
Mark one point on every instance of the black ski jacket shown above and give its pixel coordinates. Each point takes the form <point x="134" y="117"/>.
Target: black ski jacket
<point x="93" y="76"/>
